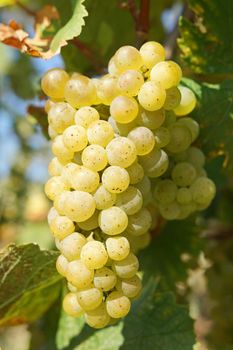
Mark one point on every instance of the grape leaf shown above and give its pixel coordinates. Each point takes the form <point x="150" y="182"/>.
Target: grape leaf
<point x="29" y="283"/>
<point x="214" y="112"/>
<point x="206" y="44"/>
<point x="72" y="28"/>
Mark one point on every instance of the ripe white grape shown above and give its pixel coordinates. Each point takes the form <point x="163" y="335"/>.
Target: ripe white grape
<point x="151" y="96"/>
<point x="143" y="138"/>
<point x="71" y="305"/>
<point x="117" y="304"/>
<point x="181" y="138"/>
<point x="192" y="125"/>
<point x="55" y="186"/>
<point x="71" y="245"/>
<point x="121" y="151"/>
<point x="155" y="163"/>
<point x="60" y="202"/>
<point x="187" y="103"/>
<point x="124" y="109"/>
<point x="115" y="179"/>
<point x="52" y="214"/>
<point x="118" y="248"/>
<point x="61" y="116"/>
<point x="127" y="57"/>
<point x="79" y="205"/>
<point x="60" y="150"/>
<point x="144" y="186"/>
<point x="85" y="116"/>
<point x="162" y="137"/>
<point x="94" y="254"/>
<point x="55" y="167"/>
<point x="52" y="133"/>
<point x="53" y="82"/>
<point x="152" y="53"/>
<point x="80" y="91"/>
<point x="107" y="89"/>
<point x="68" y="171"/>
<point x="75" y="138"/>
<point x="135" y="172"/>
<point x="61" y="265"/>
<point x="112" y="68"/>
<point x="105" y="279"/>
<point x="167" y="73"/>
<point x="94" y="157"/>
<point x="85" y="179"/>
<point x="151" y="119"/>
<point x="48" y="104"/>
<point x="121" y="129"/>
<point x="61" y="226"/>
<point x="90" y="298"/>
<point x="139" y="223"/>
<point x="97" y="318"/>
<point x="196" y="157"/>
<point x="130" y="287"/>
<point x="130" y="200"/>
<point x="170" y="211"/>
<point x="103" y="198"/>
<point x="129" y="82"/>
<point x="79" y="274"/>
<point x="173" y="98"/>
<point x="165" y="191"/>
<point x="184" y="195"/>
<point x="113" y="220"/>
<point x="203" y="190"/>
<point x="127" y="267"/>
<point x="100" y="133"/>
<point x="183" y="174"/>
<point x="91" y="223"/>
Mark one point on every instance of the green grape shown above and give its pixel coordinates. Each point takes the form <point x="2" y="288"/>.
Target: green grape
<point x="112" y="68"/>
<point x="129" y="82"/>
<point x="91" y="223"/>
<point x="151" y="119"/>
<point x="181" y="138"/>
<point x="152" y="53"/>
<point x="94" y="157"/>
<point x="75" y="138"/>
<point x="121" y="129"/>
<point x="121" y="151"/>
<point x="59" y="149"/>
<point x="61" y="226"/>
<point x="107" y="89"/>
<point x="61" y="116"/>
<point x="85" y="180"/>
<point x="79" y="205"/>
<point x="162" y="137"/>
<point x="170" y="118"/>
<point x="170" y="211"/>
<point x="94" y="254"/>
<point x="173" y="98"/>
<point x="105" y="279"/>
<point x="103" y="198"/>
<point x="165" y="191"/>
<point x="68" y="171"/>
<point x="135" y="172"/>
<point x="144" y="186"/>
<point x="203" y="190"/>
<point x="155" y="163"/>
<point x="118" y="248"/>
<point x="196" y="157"/>
<point x="117" y="304"/>
<point x="124" y="109"/>
<point x="71" y="305"/>
<point x="61" y="265"/>
<point x="183" y="174"/>
<point x="113" y="220"/>
<point x="80" y="91"/>
<point x="55" y="186"/>
<point x="192" y="125"/>
<point x="139" y="223"/>
<point x="130" y="200"/>
<point x="187" y="103"/>
<point x="143" y="138"/>
<point x="184" y="195"/>
<point x="55" y="167"/>
<point x="130" y="287"/>
<point x="127" y="57"/>
<point x="127" y="267"/>
<point x="79" y="274"/>
<point x="167" y="73"/>
<point x="100" y="133"/>
<point x="90" y="298"/>
<point x="85" y="116"/>
<point x="186" y="210"/>
<point x="115" y="179"/>
<point x="97" y="318"/>
<point x="71" y="245"/>
<point x="53" y="82"/>
<point x="151" y="96"/>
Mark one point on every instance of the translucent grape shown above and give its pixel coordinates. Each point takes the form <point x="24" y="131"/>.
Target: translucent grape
<point x="184" y="195"/>
<point x="152" y="52"/>
<point x="187" y="103"/>
<point x="121" y="151"/>
<point x="127" y="57"/>
<point x="61" y="265"/>
<point x="97" y="318"/>
<point x="165" y="191"/>
<point x="71" y="245"/>
<point x="113" y="220"/>
<point x="105" y="279"/>
<point x="94" y="157"/>
<point x="139" y="223"/>
<point x="196" y="157"/>
<point x="75" y="138"/>
<point x="118" y="248"/>
<point x="173" y="98"/>
<point x="61" y="116"/>
<point x="183" y="174"/>
<point x="61" y="226"/>
<point x="151" y="96"/>
<point x="192" y="125"/>
<point x="115" y="179"/>
<point x="85" y="116"/>
<point x="144" y="186"/>
<point x="167" y="73"/>
<point x="59" y="149"/>
<point x="100" y="133"/>
<point x="85" y="180"/>
<point x="55" y="186"/>
<point x="107" y="89"/>
<point x="71" y="305"/>
<point x="155" y="163"/>
<point x="103" y="198"/>
<point x="53" y="82"/>
<point x="68" y="172"/>
<point x="79" y="205"/>
<point x="124" y="109"/>
<point x="135" y="172"/>
<point x="129" y="82"/>
<point x="112" y="68"/>
<point x="130" y="287"/>
<point x="151" y="120"/>
<point x="79" y="274"/>
<point x="91" y="223"/>
<point x="89" y="298"/>
<point x="127" y="267"/>
<point x="170" y="211"/>
<point x="117" y="304"/>
<point x="181" y="138"/>
<point x="143" y="138"/>
<point x="130" y="200"/>
<point x="55" y="167"/>
<point x="203" y="190"/>
<point x="80" y="91"/>
<point x="121" y="129"/>
<point x="94" y="255"/>
<point x="162" y="137"/>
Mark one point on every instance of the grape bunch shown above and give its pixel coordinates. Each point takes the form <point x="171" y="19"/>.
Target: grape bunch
<point x="123" y="155"/>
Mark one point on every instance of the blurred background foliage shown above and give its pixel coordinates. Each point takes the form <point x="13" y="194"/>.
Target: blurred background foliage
<point x="199" y="270"/>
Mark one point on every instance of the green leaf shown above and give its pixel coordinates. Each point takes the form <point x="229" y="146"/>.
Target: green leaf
<point x="157" y="322"/>
<point x="72" y="28"/>
<point x="214" y="112"/>
<point x="29" y="283"/>
<point x="206" y="44"/>
<point x="163" y="257"/>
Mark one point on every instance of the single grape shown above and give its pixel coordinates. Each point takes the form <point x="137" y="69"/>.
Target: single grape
<point x="183" y="174"/>
<point x="79" y="205"/>
<point x="173" y="98"/>
<point x="94" y="157"/>
<point x="59" y="149"/>
<point x="61" y="265"/>
<point x="71" y="245"/>
<point x="135" y="172"/>
<point x="121" y="129"/>
<point x="115" y="179"/>
<point x="129" y="82"/>
<point x="75" y="138"/>
<point x="121" y="151"/>
<point x="61" y="116"/>
<point x="130" y="287"/>
<point x="103" y="198"/>
<point x="118" y="248"/>
<point x="130" y="200"/>
<point x="143" y="138"/>
<point x="97" y="318"/>
<point x="85" y="179"/>
<point x="100" y="133"/>
<point x="155" y="163"/>
<point x="91" y="223"/>
<point x="162" y="137"/>
<point x="94" y="255"/>
<point x="203" y="190"/>
<point x="68" y="172"/>
<point x="107" y="89"/>
<point x="165" y="191"/>
<point x="167" y="73"/>
<point x="85" y="116"/>
<point x="55" y="167"/>
<point x="61" y="226"/>
<point x="127" y="57"/>
<point x="187" y="103"/>
<point x="127" y="267"/>
<point x="80" y="91"/>
<point x="192" y="125"/>
<point x="53" y="82"/>
<point x="124" y="109"/>
<point x="117" y="304"/>
<point x="151" y="119"/>
<point x="139" y="223"/>
<point x="181" y="138"/>
<point x="79" y="274"/>
<point x="184" y="195"/>
<point x="112" y="68"/>
<point x="55" y="186"/>
<point x="152" y="53"/>
<point x="105" y="279"/>
<point x="52" y="214"/>
<point x="113" y="220"/>
<point x="90" y="298"/>
<point x="144" y="186"/>
<point x="170" y="211"/>
<point x="151" y="96"/>
<point x="71" y="305"/>
<point x="196" y="157"/>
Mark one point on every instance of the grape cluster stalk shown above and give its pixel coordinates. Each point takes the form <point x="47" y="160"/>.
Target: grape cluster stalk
<point x="115" y="172"/>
